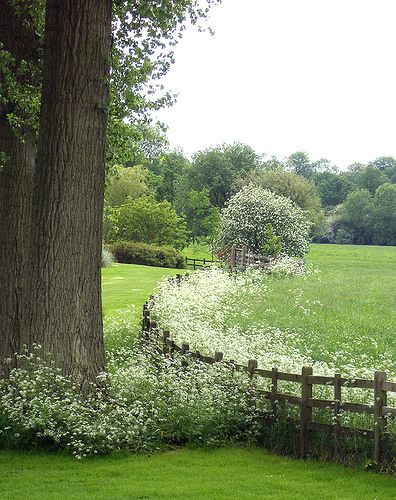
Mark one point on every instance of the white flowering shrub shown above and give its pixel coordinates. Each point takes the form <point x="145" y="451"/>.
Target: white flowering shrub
<point x="247" y="214"/>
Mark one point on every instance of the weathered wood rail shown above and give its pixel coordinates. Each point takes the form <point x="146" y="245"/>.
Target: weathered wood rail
<point x="305" y="401"/>
<point x="193" y="263"/>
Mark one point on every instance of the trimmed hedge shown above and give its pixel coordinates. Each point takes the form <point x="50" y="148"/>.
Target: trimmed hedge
<point x="131" y="252"/>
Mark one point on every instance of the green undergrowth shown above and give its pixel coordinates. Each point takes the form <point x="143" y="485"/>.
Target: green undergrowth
<point x="186" y="474"/>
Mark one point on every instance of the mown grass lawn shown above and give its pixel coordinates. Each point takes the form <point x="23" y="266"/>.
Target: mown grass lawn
<point x="127" y="286"/>
<point x="357" y="288"/>
<point x="186" y="474"/>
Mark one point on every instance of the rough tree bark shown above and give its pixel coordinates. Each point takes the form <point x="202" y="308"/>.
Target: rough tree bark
<point x="66" y="316"/>
<point x="16" y="185"/>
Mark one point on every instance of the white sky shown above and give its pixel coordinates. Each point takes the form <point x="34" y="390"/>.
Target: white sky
<point x="288" y="75"/>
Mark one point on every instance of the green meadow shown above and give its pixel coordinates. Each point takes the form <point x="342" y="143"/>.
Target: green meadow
<point x="348" y="307"/>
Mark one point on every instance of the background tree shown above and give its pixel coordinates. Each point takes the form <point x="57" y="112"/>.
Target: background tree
<point x="300" y="164"/>
<point x="170" y="168"/>
<point x="288" y="184"/>
<point x="148" y="221"/>
<point x="133" y="182"/>
<point x="332" y="187"/>
<point x="387" y="165"/>
<point x="370" y="178"/>
<point x="132" y="144"/>
<point x="217" y="168"/>
<point x="356" y="216"/>
<point x="200" y="214"/>
<point x="384" y="215"/>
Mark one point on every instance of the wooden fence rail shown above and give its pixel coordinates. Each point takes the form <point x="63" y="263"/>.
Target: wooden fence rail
<point x="193" y="263"/>
<point x="306" y="402"/>
<point x="241" y="258"/>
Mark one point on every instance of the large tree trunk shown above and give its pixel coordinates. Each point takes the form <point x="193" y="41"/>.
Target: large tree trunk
<point x="66" y="310"/>
<point x="18" y="150"/>
<point x="16" y="181"/>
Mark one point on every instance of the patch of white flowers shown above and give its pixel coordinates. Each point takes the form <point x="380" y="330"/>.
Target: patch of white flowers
<point x="144" y="403"/>
<point x="212" y="311"/>
<point x="244" y="219"/>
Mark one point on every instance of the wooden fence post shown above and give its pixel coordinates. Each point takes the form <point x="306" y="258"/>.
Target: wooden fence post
<point x="152" y="325"/>
<point x="233" y="256"/>
<point x="171" y="347"/>
<point x="243" y="257"/>
<point x="336" y="413"/>
<point x="165" y="337"/>
<point x="231" y="363"/>
<point x="252" y="365"/>
<point x="145" y="323"/>
<point x="218" y="356"/>
<point x="379" y="420"/>
<point x="184" y="350"/>
<point x="306" y="410"/>
<point x="274" y="390"/>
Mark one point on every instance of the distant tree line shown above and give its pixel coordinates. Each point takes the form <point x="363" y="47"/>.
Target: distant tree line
<point x="158" y="196"/>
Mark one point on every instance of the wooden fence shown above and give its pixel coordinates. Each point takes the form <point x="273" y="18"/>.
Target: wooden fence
<point x="193" y="263"/>
<point x="238" y="258"/>
<point x="241" y="258"/>
<point x="305" y="401"/>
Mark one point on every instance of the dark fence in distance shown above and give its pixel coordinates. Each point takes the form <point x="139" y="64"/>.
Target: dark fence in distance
<point x="192" y="263"/>
<point x="237" y="258"/>
<point x="305" y="400"/>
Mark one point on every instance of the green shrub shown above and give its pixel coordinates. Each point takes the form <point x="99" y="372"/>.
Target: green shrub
<point x="129" y="252"/>
<point x="148" y="221"/>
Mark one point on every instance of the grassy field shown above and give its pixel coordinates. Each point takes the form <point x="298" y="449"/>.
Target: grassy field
<point x="186" y="474"/>
<point x="343" y="314"/>
<point x="348" y="306"/>
<point x="356" y="287"/>
<point x="197" y="251"/>
<point x="127" y="287"/>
